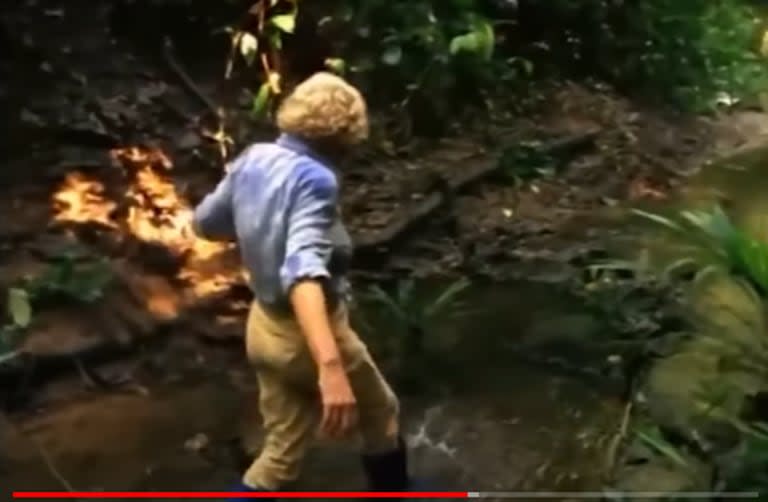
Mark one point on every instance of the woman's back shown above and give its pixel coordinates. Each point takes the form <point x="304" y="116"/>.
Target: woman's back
<point x="279" y="202"/>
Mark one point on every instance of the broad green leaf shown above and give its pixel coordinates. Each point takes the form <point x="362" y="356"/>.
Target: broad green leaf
<point x="261" y="100"/>
<point x="447" y="297"/>
<point x="284" y="22"/>
<point x="380" y="296"/>
<point x="653" y="438"/>
<point x="670" y="224"/>
<point x="392" y="55"/>
<point x="527" y="66"/>
<point x="19" y="307"/>
<point x="468" y="42"/>
<point x="487" y="39"/>
<point x="480" y="41"/>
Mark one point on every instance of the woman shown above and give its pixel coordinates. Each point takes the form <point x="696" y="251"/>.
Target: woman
<point x="280" y="202"/>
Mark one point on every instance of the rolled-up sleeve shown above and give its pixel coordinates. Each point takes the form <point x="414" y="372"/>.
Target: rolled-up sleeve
<point x="213" y="218"/>
<point x="308" y="246"/>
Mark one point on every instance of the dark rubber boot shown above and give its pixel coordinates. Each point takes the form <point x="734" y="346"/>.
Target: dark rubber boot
<point x="388" y="472"/>
<point x="243" y="488"/>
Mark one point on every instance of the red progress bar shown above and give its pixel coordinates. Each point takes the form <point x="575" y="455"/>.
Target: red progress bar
<point x="225" y="495"/>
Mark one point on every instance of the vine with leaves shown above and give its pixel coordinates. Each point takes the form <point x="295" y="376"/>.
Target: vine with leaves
<point x="260" y="43"/>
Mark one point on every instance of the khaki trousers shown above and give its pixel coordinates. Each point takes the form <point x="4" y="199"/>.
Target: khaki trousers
<point x="289" y="400"/>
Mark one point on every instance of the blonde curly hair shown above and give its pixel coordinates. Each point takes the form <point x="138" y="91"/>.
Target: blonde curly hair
<point x="325" y="107"/>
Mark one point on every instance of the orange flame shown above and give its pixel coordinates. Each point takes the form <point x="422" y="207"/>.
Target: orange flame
<point x="157" y="213"/>
<point x="82" y="200"/>
<point x="136" y="155"/>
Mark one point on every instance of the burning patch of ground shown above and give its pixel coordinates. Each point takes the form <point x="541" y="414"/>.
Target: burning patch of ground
<point x="153" y="211"/>
<point x="131" y="217"/>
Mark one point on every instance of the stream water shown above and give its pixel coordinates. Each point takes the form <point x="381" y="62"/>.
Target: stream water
<point x="496" y="423"/>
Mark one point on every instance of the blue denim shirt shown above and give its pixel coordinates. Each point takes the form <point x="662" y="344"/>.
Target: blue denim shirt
<point x="279" y="202"/>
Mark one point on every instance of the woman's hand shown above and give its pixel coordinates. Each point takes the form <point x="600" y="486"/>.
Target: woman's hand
<point x="339" y="403"/>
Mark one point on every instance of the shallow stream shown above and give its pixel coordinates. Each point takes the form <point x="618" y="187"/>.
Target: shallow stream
<point x="493" y="421"/>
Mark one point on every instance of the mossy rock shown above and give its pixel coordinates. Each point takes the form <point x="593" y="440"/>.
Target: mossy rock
<point x="728" y="312"/>
<point x="645" y="469"/>
<point x="678" y="387"/>
<point x="663" y="477"/>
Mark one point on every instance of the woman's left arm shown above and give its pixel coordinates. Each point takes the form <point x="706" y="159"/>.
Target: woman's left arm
<point x="213" y="218"/>
<point x="305" y="271"/>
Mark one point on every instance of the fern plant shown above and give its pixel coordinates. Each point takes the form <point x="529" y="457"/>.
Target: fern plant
<point x="730" y="248"/>
<point x="65" y="279"/>
<point x="412" y="315"/>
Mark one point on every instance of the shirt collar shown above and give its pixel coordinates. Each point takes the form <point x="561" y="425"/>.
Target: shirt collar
<point x="300" y="146"/>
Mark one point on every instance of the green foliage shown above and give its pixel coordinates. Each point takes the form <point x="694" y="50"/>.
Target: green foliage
<point x="726" y="245"/>
<point x="67" y="278"/>
<point x="406" y="35"/>
<point x="19" y="307"/>
<point x="261" y="100"/>
<point x="408" y="309"/>
<point x="424" y="60"/>
<point x="526" y="160"/>
<point x="275" y="19"/>
<point x="750" y="471"/>
<point x="652" y="437"/>
<point x="721" y="246"/>
<point x="695" y="52"/>
<point x="409" y="55"/>
<point x="407" y="318"/>
<point x="745" y="466"/>
<point x="417" y="54"/>
<point x="479" y="41"/>
<point x="698" y="48"/>
<point x="412" y="314"/>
